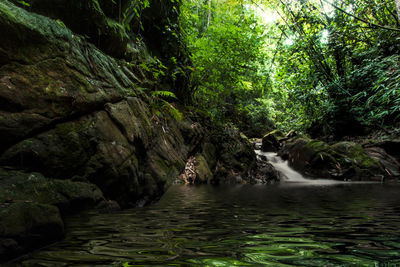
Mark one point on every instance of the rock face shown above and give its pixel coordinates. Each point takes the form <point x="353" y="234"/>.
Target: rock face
<point x="76" y="127"/>
<point x="66" y="112"/>
<point x="341" y="161"/>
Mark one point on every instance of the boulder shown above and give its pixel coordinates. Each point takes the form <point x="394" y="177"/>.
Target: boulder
<point x="209" y="152"/>
<point x="264" y="172"/>
<point x="271" y="141"/>
<point x="67" y="195"/>
<point x="203" y="171"/>
<point x="390" y="163"/>
<point x="27" y="225"/>
<point x="235" y="155"/>
<point x="32" y="206"/>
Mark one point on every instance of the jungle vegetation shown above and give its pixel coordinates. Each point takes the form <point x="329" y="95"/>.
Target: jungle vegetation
<point x="326" y="66"/>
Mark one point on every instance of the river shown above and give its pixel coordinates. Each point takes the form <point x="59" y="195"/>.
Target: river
<point x="284" y="224"/>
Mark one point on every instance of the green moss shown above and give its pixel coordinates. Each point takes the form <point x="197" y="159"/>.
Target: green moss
<point x="318" y="146"/>
<point x="64" y="129"/>
<point x="356" y="154"/>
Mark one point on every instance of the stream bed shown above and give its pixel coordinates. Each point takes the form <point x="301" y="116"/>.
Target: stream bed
<point x="284" y="224"/>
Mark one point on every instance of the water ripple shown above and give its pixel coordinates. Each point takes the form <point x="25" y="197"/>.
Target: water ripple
<point x="343" y="225"/>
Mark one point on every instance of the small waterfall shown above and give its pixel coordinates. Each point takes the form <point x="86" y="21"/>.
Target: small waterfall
<point x="290" y="175"/>
<point x="282" y="167"/>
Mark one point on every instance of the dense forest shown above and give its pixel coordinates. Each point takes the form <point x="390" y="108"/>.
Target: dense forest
<point x="199" y="132"/>
<point x="325" y="66"/>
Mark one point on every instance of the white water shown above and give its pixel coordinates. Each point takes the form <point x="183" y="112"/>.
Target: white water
<point x="290" y="175"/>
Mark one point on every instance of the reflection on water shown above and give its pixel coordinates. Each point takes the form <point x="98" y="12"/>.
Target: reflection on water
<point x="282" y="225"/>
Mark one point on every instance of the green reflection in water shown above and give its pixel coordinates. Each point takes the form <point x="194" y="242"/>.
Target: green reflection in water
<point x="238" y="226"/>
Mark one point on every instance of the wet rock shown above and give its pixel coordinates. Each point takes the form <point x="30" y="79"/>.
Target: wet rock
<point x="271" y="141"/>
<point x="264" y="172"/>
<point x="27" y="225"/>
<point x="31" y="207"/>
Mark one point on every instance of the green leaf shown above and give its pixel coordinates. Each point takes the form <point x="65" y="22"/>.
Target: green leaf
<point x="163" y="94"/>
<point x="24" y="3"/>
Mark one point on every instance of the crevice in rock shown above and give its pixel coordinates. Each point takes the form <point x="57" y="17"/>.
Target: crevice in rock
<point x="95" y="108"/>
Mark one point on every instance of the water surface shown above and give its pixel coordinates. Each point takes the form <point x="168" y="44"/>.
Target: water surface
<point x="280" y="225"/>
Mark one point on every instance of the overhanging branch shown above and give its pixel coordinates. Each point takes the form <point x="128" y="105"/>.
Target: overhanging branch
<point x="362" y="20"/>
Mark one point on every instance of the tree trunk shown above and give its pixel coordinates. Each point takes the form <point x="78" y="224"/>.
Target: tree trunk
<point x="209" y="13"/>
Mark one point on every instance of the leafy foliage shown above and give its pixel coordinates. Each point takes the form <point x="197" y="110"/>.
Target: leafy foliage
<point x="340" y="67"/>
<point x="327" y="65"/>
<point x="226" y="41"/>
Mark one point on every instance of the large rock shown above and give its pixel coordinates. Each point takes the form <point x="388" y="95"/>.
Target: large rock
<point x="67" y="195"/>
<point x="271" y="142"/>
<point x="31" y="209"/>
<point x="25" y="226"/>
<point x="342" y="161"/>
<point x="203" y="171"/>
<point x="66" y="112"/>
<point x="235" y="156"/>
<point x="76" y="129"/>
<point x="390" y="163"/>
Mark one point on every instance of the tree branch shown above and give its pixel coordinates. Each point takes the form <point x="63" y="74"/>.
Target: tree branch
<point x="362" y="20"/>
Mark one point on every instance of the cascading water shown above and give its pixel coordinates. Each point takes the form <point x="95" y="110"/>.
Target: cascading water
<point x="287" y="173"/>
<point x="282" y="167"/>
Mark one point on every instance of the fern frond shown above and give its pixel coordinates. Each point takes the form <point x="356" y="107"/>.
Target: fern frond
<point x="163" y="94"/>
<point x="175" y="113"/>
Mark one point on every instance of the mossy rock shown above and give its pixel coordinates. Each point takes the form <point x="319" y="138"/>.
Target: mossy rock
<point x="271" y="141"/>
<point x="31" y="207"/>
<point x="235" y="154"/>
<point x="357" y="154"/>
<point x="67" y="195"/>
<point x="203" y="172"/>
<point x="85" y="17"/>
